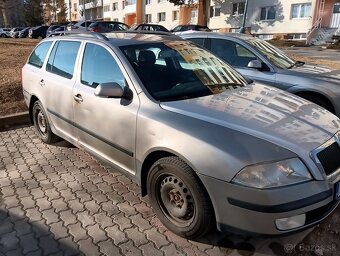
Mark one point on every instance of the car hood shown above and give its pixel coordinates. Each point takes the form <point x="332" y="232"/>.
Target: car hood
<point x="265" y="112"/>
<point x="316" y="72"/>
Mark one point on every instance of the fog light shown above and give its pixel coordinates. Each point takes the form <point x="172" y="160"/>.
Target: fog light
<point x="291" y="222"/>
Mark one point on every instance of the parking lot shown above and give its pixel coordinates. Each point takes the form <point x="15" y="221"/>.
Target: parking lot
<point x="58" y="200"/>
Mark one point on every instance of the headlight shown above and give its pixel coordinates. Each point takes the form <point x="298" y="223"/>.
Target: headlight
<point x="286" y="172"/>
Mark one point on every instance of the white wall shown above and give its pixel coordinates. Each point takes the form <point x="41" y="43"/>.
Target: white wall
<point x="282" y="24"/>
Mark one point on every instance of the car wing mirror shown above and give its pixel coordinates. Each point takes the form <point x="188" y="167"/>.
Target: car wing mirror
<point x="109" y="90"/>
<point x="255" y="64"/>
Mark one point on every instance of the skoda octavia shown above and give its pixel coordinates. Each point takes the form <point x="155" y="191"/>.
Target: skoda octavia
<point x="208" y="147"/>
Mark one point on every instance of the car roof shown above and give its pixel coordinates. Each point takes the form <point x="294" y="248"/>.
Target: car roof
<point x="123" y="38"/>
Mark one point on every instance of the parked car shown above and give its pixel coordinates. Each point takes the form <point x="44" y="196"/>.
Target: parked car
<point x="263" y="62"/>
<point x="189" y="27"/>
<point x="207" y="147"/>
<point x="149" y="27"/>
<point x="5" y="32"/>
<point x="51" y="29"/>
<point x="107" y="26"/>
<point x="38" y="32"/>
<point x="14" y="33"/>
<point x="24" y="33"/>
<point x="81" y="25"/>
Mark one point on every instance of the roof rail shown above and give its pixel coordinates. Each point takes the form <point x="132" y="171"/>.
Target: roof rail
<point x="80" y="33"/>
<point x="142" y="32"/>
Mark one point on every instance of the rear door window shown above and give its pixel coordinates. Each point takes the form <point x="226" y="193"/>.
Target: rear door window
<point x="38" y="56"/>
<point x="63" y="58"/>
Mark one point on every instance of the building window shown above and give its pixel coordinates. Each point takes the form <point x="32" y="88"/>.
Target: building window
<point x="194" y="14"/>
<point x="161" y="16"/>
<point x="296" y="36"/>
<point x="175" y="15"/>
<point x="148" y="18"/>
<point x="106" y="8"/>
<point x="75" y="7"/>
<point x="147" y="2"/>
<point x="265" y="36"/>
<point x="268" y="13"/>
<point x="238" y="8"/>
<point x="129" y="2"/>
<point x="115" y="6"/>
<point x="300" y="11"/>
<point x="115" y="19"/>
<point x="215" y="11"/>
<point x="161" y="1"/>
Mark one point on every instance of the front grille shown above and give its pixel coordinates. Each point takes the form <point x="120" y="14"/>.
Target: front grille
<point x="330" y="158"/>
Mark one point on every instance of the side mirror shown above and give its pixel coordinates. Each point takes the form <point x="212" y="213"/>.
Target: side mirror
<point x="109" y="90"/>
<point x="255" y="64"/>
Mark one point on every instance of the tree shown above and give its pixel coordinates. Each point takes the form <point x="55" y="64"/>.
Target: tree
<point x="33" y="12"/>
<point x="4" y="14"/>
<point x="61" y="7"/>
<point x="203" y="8"/>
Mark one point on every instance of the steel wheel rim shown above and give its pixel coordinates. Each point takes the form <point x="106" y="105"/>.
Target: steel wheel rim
<point x="41" y="121"/>
<point x="175" y="200"/>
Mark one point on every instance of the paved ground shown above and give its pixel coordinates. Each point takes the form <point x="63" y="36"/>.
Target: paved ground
<point x="314" y="52"/>
<point x="57" y="200"/>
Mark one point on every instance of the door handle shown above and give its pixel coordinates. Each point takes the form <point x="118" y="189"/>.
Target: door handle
<point x="42" y="82"/>
<point x="78" y="98"/>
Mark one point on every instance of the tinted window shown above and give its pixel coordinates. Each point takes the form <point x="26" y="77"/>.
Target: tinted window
<point x="99" y="67"/>
<point x="199" y="41"/>
<point x="63" y="58"/>
<point x="231" y="52"/>
<point x="39" y="54"/>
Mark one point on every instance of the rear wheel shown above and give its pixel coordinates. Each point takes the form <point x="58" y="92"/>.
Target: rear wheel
<point x="41" y="124"/>
<point x="179" y="199"/>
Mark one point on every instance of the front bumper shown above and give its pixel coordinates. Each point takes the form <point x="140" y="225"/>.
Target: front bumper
<point x="256" y="211"/>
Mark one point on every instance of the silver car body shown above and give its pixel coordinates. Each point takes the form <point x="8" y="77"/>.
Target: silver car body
<point x="306" y="79"/>
<point x="216" y="135"/>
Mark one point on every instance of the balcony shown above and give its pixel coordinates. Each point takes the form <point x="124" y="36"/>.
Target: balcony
<point x="94" y="4"/>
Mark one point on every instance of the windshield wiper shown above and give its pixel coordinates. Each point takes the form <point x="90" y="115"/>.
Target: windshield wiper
<point x="297" y="64"/>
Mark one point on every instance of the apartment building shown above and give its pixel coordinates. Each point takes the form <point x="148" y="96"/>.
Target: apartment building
<point x="292" y="19"/>
<point x="74" y="10"/>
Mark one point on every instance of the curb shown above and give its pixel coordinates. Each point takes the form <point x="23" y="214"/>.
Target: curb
<point x="14" y="119"/>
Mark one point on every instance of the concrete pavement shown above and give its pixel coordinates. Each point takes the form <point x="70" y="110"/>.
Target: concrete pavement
<point x="58" y="200"/>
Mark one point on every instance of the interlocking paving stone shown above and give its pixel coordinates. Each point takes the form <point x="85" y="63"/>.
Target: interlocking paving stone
<point x="58" y="200"/>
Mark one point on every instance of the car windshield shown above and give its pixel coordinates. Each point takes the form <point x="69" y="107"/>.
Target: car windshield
<point x="276" y="56"/>
<point x="176" y="70"/>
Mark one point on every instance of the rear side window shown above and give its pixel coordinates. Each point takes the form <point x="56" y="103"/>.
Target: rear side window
<point x="38" y="56"/>
<point x="63" y="58"/>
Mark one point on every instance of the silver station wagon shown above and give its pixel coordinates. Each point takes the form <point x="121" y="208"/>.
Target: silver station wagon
<point x="210" y="149"/>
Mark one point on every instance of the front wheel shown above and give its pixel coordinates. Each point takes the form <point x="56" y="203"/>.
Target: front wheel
<point x="41" y="124"/>
<point x="179" y="199"/>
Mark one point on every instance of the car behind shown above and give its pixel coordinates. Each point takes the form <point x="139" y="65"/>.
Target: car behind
<point x="263" y="62"/>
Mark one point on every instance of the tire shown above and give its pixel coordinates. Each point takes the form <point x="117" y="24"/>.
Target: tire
<point x="3" y="35"/>
<point x="42" y="125"/>
<point x="319" y="101"/>
<point x="179" y="199"/>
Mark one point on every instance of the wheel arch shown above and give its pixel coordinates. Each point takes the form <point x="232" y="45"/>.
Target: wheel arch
<point x="321" y="96"/>
<point x="152" y="157"/>
<point x="30" y="108"/>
